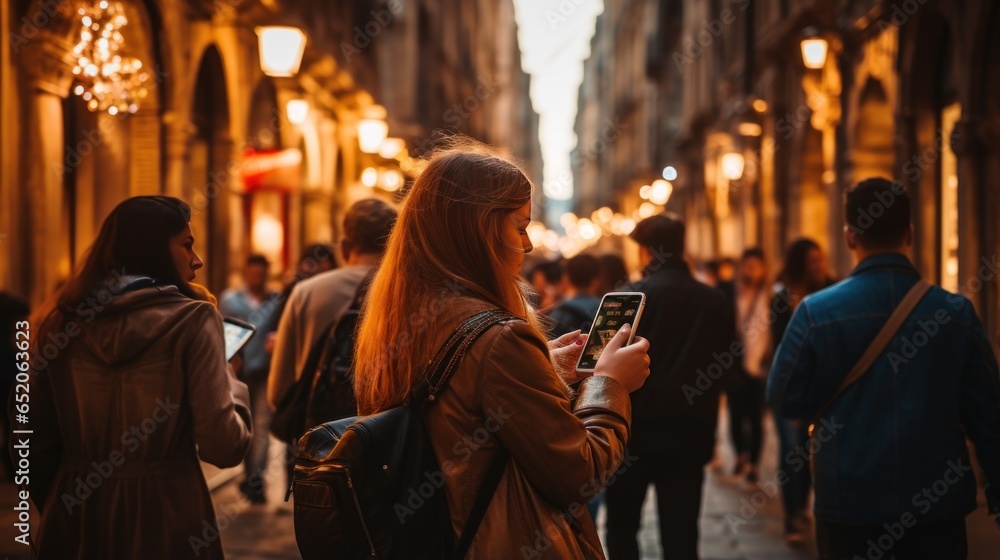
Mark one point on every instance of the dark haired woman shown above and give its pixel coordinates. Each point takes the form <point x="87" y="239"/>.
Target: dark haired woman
<point x="139" y="391"/>
<point x="804" y="272"/>
<point x="457" y="250"/>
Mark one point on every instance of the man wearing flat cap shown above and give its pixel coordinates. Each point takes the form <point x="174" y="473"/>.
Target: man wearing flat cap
<point x="693" y="349"/>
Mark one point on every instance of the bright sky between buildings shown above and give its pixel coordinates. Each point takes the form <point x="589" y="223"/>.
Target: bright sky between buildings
<point x="554" y="36"/>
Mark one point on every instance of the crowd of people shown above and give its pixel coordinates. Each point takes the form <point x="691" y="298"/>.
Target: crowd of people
<point x="143" y="391"/>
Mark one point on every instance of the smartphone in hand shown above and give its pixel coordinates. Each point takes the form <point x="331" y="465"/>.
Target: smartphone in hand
<point x="237" y="333"/>
<point x="616" y="309"/>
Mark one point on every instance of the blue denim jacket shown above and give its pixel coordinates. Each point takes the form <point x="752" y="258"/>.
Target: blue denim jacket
<point x="892" y="448"/>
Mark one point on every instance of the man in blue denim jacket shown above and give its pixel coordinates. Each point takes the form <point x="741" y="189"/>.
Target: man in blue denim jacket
<point x="890" y="462"/>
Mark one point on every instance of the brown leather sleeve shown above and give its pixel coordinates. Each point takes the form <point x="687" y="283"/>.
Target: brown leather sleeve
<point x="567" y="454"/>
<point x="220" y="405"/>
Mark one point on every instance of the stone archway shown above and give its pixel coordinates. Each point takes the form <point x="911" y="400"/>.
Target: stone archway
<point x="873" y="152"/>
<point x="211" y="169"/>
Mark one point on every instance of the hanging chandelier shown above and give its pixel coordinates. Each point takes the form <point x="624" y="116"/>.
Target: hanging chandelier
<point x="107" y="79"/>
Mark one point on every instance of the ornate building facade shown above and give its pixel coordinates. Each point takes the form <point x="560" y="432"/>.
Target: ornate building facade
<point x="216" y="131"/>
<point x="764" y="145"/>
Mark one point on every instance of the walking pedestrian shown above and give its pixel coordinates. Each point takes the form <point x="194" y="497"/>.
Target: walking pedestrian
<point x="256" y="304"/>
<point x="675" y="413"/>
<point x="138" y="392"/>
<point x="805" y="271"/>
<point x="317" y="303"/>
<point x="745" y="391"/>
<point x="581" y="276"/>
<point x="892" y="405"/>
<point x="457" y="251"/>
<point x="614" y="273"/>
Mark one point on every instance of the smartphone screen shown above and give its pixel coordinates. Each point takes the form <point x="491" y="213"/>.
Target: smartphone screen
<point x="236" y="333"/>
<point x="617" y="308"/>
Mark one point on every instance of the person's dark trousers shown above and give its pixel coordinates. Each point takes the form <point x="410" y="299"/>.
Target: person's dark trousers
<point x="793" y="459"/>
<point x="745" y="400"/>
<point x="678" y="495"/>
<point x="893" y="542"/>
<point x="255" y="461"/>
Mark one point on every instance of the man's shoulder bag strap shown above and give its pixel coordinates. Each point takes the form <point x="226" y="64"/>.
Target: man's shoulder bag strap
<point x="878" y="345"/>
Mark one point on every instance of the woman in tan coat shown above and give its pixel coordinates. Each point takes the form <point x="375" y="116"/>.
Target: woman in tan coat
<point x="456" y="250"/>
<point x="130" y="387"/>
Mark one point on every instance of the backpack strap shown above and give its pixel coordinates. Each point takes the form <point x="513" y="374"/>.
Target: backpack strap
<point x="441" y="368"/>
<point x="882" y="340"/>
<point x="453" y="350"/>
<point x="483" y="499"/>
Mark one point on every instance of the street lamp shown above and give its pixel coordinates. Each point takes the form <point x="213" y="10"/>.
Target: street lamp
<point x="660" y="191"/>
<point x="297" y="110"/>
<point x="391" y="147"/>
<point x="732" y="165"/>
<point x="369" y="177"/>
<point x="281" y="50"/>
<point x="814" y="52"/>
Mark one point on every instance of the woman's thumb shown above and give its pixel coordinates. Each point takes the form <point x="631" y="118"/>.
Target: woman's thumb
<point x="621" y="337"/>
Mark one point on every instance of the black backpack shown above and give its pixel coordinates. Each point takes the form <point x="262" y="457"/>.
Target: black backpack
<point x="370" y="487"/>
<point x="325" y="389"/>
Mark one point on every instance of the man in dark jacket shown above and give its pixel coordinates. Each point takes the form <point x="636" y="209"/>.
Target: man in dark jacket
<point x="693" y="349"/>
<point x="890" y="462"/>
<point x="576" y="312"/>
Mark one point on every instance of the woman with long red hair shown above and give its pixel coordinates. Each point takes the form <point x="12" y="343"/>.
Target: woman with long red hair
<point x="456" y="250"/>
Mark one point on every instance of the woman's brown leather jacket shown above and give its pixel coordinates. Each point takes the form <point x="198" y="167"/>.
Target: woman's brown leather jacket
<point x="562" y="451"/>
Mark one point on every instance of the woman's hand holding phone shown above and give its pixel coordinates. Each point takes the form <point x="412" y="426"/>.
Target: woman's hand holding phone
<point x="628" y="365"/>
<point x="565" y="353"/>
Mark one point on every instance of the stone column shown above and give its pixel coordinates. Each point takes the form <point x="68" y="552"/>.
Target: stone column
<point x="49" y="72"/>
<point x="177" y="138"/>
<point x="967" y="146"/>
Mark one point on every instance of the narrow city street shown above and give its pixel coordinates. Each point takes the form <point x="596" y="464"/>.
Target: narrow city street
<point x="223" y="222"/>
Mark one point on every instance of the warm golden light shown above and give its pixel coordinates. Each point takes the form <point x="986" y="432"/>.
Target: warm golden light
<point x="369" y="177"/>
<point x="814" y="52"/>
<point x="391" y="180"/>
<point x="391" y="147"/>
<point x="660" y="191"/>
<point x="587" y="230"/>
<point x="732" y="165"/>
<point x="759" y="105"/>
<point x="749" y="129"/>
<point x="281" y="50"/>
<point x="371" y="134"/>
<point x="297" y="110"/>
